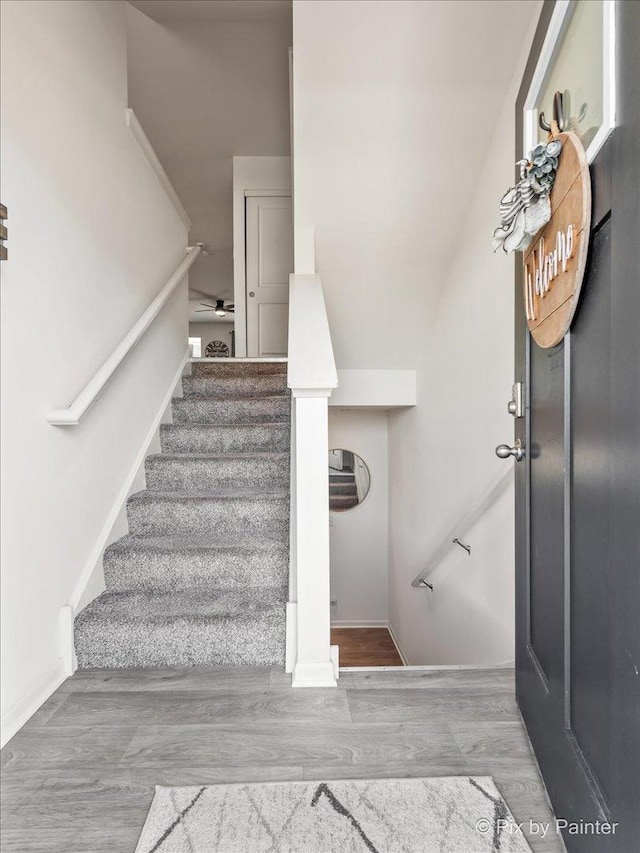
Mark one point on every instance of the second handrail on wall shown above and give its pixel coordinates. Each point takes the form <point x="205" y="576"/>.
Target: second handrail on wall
<point x="468" y="519"/>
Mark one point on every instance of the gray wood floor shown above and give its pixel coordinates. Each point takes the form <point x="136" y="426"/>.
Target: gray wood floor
<point x="80" y="775"/>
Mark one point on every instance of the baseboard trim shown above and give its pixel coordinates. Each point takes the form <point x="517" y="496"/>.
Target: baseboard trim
<point x="15" y="718"/>
<point x="396" y="643"/>
<point x="363" y="623"/>
<point x="291" y="636"/>
<point x="103" y="538"/>
<point x="314" y="675"/>
<point x="67" y="647"/>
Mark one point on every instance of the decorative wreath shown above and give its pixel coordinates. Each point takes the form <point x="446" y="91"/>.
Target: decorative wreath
<point x="525" y="208"/>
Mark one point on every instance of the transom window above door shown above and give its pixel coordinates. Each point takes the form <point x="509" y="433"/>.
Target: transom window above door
<point x="577" y="60"/>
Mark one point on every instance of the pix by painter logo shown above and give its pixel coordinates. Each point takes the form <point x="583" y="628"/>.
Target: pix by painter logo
<point x="541" y="829"/>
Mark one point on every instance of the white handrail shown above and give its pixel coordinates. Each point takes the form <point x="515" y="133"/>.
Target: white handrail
<point x="73" y="414"/>
<point x="469" y="518"/>
<point x="311" y="361"/>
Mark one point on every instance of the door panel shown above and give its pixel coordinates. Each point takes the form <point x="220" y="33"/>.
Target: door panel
<point x="273" y="327"/>
<point x="591" y="485"/>
<point x="578" y="500"/>
<point x="546" y="451"/>
<point x="269" y="246"/>
<point x="276" y="241"/>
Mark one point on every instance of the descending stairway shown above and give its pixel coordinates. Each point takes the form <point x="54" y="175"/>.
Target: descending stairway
<point x="202" y="577"/>
<point x="343" y="493"/>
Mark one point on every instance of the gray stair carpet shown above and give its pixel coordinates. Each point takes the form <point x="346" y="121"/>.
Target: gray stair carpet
<point x="343" y="492"/>
<point x="202" y="577"/>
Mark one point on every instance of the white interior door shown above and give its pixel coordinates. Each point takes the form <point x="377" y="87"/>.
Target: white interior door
<point x="269" y="247"/>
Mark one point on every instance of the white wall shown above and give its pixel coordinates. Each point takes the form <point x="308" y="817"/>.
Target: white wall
<point x="205" y="91"/>
<point x="441" y="454"/>
<point x="403" y="146"/>
<point x="93" y="239"/>
<point x="394" y="105"/>
<point x="359" y="562"/>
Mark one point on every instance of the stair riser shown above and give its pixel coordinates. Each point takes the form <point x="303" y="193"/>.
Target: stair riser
<point x="176" y="438"/>
<point x="179" y="643"/>
<point x="336" y="489"/>
<point x="196" y="410"/>
<point x="227" y="518"/>
<point x="241" y="368"/>
<point x="150" y="570"/>
<point x="342" y="503"/>
<point x="235" y="386"/>
<point x="168" y="474"/>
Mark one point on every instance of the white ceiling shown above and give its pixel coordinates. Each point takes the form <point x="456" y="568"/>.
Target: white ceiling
<point x="167" y="11"/>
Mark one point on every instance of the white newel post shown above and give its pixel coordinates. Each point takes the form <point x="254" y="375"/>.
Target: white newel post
<point x="313" y="666"/>
<point x="312" y="376"/>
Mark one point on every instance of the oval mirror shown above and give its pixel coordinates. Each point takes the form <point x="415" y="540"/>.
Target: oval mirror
<point x="349" y="480"/>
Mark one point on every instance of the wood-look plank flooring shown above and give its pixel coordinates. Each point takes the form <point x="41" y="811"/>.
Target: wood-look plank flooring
<point x="79" y="777"/>
<point x="365" y="647"/>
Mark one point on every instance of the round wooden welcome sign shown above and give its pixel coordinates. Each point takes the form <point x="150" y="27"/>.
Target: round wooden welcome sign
<point x="555" y="262"/>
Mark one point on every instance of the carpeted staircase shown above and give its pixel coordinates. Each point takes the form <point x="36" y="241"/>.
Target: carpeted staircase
<point x="343" y="493"/>
<point x="202" y="577"/>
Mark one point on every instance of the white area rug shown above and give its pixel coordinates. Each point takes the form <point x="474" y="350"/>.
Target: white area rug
<point x="454" y="814"/>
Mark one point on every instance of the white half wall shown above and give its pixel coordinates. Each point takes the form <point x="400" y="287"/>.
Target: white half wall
<point x="384" y="389"/>
<point x="358" y="537"/>
<point x="94" y="237"/>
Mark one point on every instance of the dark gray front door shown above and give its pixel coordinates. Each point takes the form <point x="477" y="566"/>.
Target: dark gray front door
<point x="577" y="501"/>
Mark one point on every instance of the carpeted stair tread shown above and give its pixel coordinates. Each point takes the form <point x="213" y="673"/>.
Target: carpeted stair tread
<point x="257" y="455"/>
<point x="195" y="543"/>
<point x="225" y="438"/>
<point x="182" y="604"/>
<point x="198" y="560"/>
<point x="338" y="502"/>
<point x="265" y="513"/>
<point x="237" y="491"/>
<point x="343" y="489"/>
<point x="182" y="628"/>
<point x="238" y="368"/>
<point x="235" y="386"/>
<point x="217" y="471"/>
<point x="200" y="408"/>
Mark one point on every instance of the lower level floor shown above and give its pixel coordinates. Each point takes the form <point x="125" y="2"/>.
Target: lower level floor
<point x="366" y="647"/>
<point x="80" y="775"/>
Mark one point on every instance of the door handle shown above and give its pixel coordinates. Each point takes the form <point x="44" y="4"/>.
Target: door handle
<point x="251" y="294"/>
<point x="503" y="451"/>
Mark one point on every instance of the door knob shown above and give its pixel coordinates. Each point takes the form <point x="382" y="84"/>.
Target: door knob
<point x="503" y="451"/>
<point x="251" y="294"/>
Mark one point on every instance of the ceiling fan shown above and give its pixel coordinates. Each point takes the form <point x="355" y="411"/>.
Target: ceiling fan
<point x="221" y="310"/>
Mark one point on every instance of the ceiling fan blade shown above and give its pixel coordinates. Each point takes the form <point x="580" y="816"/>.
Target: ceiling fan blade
<point x="203" y="310"/>
<point x="208" y="304"/>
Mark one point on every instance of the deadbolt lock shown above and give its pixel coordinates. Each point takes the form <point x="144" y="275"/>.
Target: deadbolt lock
<point x="515" y="406"/>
